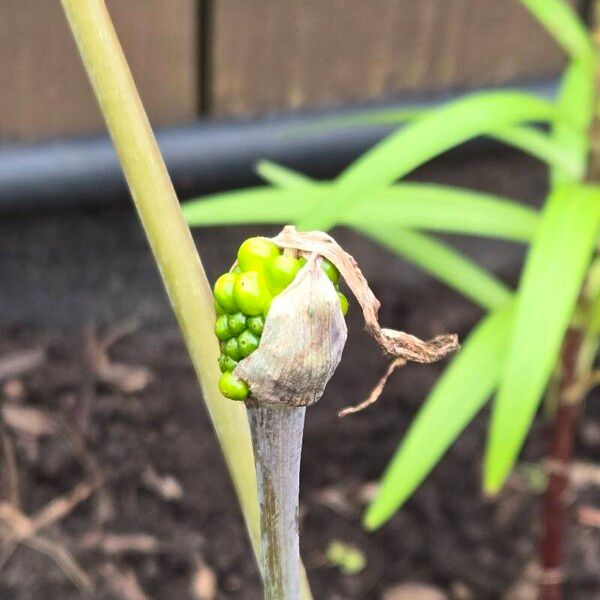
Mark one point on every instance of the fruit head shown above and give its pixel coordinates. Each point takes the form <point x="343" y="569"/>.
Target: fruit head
<point x="243" y="297"/>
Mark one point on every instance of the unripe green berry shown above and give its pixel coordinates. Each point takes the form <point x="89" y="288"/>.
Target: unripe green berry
<point x="219" y="309"/>
<point x="237" y="323"/>
<point x="255" y="252"/>
<point x="281" y="271"/>
<point x="232" y="349"/>
<point x="256" y="324"/>
<point x="330" y="270"/>
<point x="223" y="291"/>
<point x="233" y="387"/>
<point x="251" y="293"/>
<point x="222" y="330"/>
<point x="226" y="363"/>
<point x="247" y="343"/>
<point x="343" y="303"/>
<point x="236" y="269"/>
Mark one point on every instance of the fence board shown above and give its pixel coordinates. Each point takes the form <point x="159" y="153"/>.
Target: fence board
<point x="43" y="90"/>
<point x="276" y="54"/>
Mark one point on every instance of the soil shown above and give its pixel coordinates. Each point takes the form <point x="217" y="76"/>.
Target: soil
<point x="163" y="479"/>
<point x="160" y="516"/>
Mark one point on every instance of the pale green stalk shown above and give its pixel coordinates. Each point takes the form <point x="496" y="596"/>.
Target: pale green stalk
<point x="169" y="237"/>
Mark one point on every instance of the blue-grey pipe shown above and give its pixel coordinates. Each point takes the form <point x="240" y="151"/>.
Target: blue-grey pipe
<point x="202" y="157"/>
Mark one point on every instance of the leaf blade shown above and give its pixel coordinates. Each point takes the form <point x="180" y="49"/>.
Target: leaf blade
<point x="446" y="209"/>
<point x="427" y="206"/>
<point x="574" y="112"/>
<point x="542" y="146"/>
<point x="565" y="26"/>
<point x="436" y="133"/>
<point x="252" y="205"/>
<point x="551" y="280"/>
<point x="412" y="205"/>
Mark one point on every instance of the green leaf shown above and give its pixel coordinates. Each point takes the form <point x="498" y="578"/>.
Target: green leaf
<point x="253" y="205"/>
<point x="563" y="23"/>
<point x="445" y="209"/>
<point x="574" y="112"/>
<point x="446" y="264"/>
<point x="415" y="205"/>
<point x="527" y="138"/>
<point x="426" y="206"/>
<point x="543" y="147"/>
<point x="281" y="176"/>
<point x="551" y="281"/>
<point x="412" y="146"/>
<point x="458" y="395"/>
<point x="434" y="257"/>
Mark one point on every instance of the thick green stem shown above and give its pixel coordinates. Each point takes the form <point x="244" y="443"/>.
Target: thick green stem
<point x="169" y="236"/>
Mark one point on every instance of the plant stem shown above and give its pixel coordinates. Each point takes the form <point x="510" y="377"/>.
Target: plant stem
<point x="556" y="498"/>
<point x="169" y="237"/>
<point x="277" y="441"/>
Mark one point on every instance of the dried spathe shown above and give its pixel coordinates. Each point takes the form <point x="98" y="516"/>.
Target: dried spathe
<point x="403" y="347"/>
<point x="291" y="359"/>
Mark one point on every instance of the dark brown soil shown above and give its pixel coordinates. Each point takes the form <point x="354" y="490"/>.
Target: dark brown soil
<point x="447" y="534"/>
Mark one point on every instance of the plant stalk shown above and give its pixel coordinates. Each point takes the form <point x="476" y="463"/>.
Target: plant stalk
<point x="169" y="237"/>
<point x="556" y="499"/>
<point x="277" y="441"/>
<point x="575" y="369"/>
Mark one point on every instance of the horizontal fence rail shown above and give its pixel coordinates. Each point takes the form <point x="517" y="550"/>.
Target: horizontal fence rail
<point x="194" y="58"/>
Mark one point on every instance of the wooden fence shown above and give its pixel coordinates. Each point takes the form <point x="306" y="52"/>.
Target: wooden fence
<point x="233" y="57"/>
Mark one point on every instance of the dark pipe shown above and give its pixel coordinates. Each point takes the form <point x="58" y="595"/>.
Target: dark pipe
<point x="202" y="157"/>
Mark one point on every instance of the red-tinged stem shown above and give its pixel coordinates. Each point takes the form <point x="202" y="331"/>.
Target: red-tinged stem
<point x="556" y="500"/>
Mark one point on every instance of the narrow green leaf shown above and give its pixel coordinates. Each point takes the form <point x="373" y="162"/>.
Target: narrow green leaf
<point x="527" y="138"/>
<point x="434" y="257"/>
<point x="412" y="146"/>
<point x="254" y="205"/>
<point x="446" y="209"/>
<point x="458" y="395"/>
<point x="281" y="176"/>
<point x="574" y="112"/>
<point x="541" y="146"/>
<point x="426" y="206"/>
<point x="551" y="281"/>
<point x="443" y="262"/>
<point x="412" y="205"/>
<point x="564" y="24"/>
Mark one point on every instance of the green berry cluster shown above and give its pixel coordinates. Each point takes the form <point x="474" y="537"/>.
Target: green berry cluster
<point x="242" y="300"/>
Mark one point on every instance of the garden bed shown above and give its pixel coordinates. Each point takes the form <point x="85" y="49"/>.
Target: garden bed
<point x="161" y="512"/>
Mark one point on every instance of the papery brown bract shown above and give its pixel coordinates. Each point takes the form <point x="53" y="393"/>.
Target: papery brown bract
<point x="301" y="344"/>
